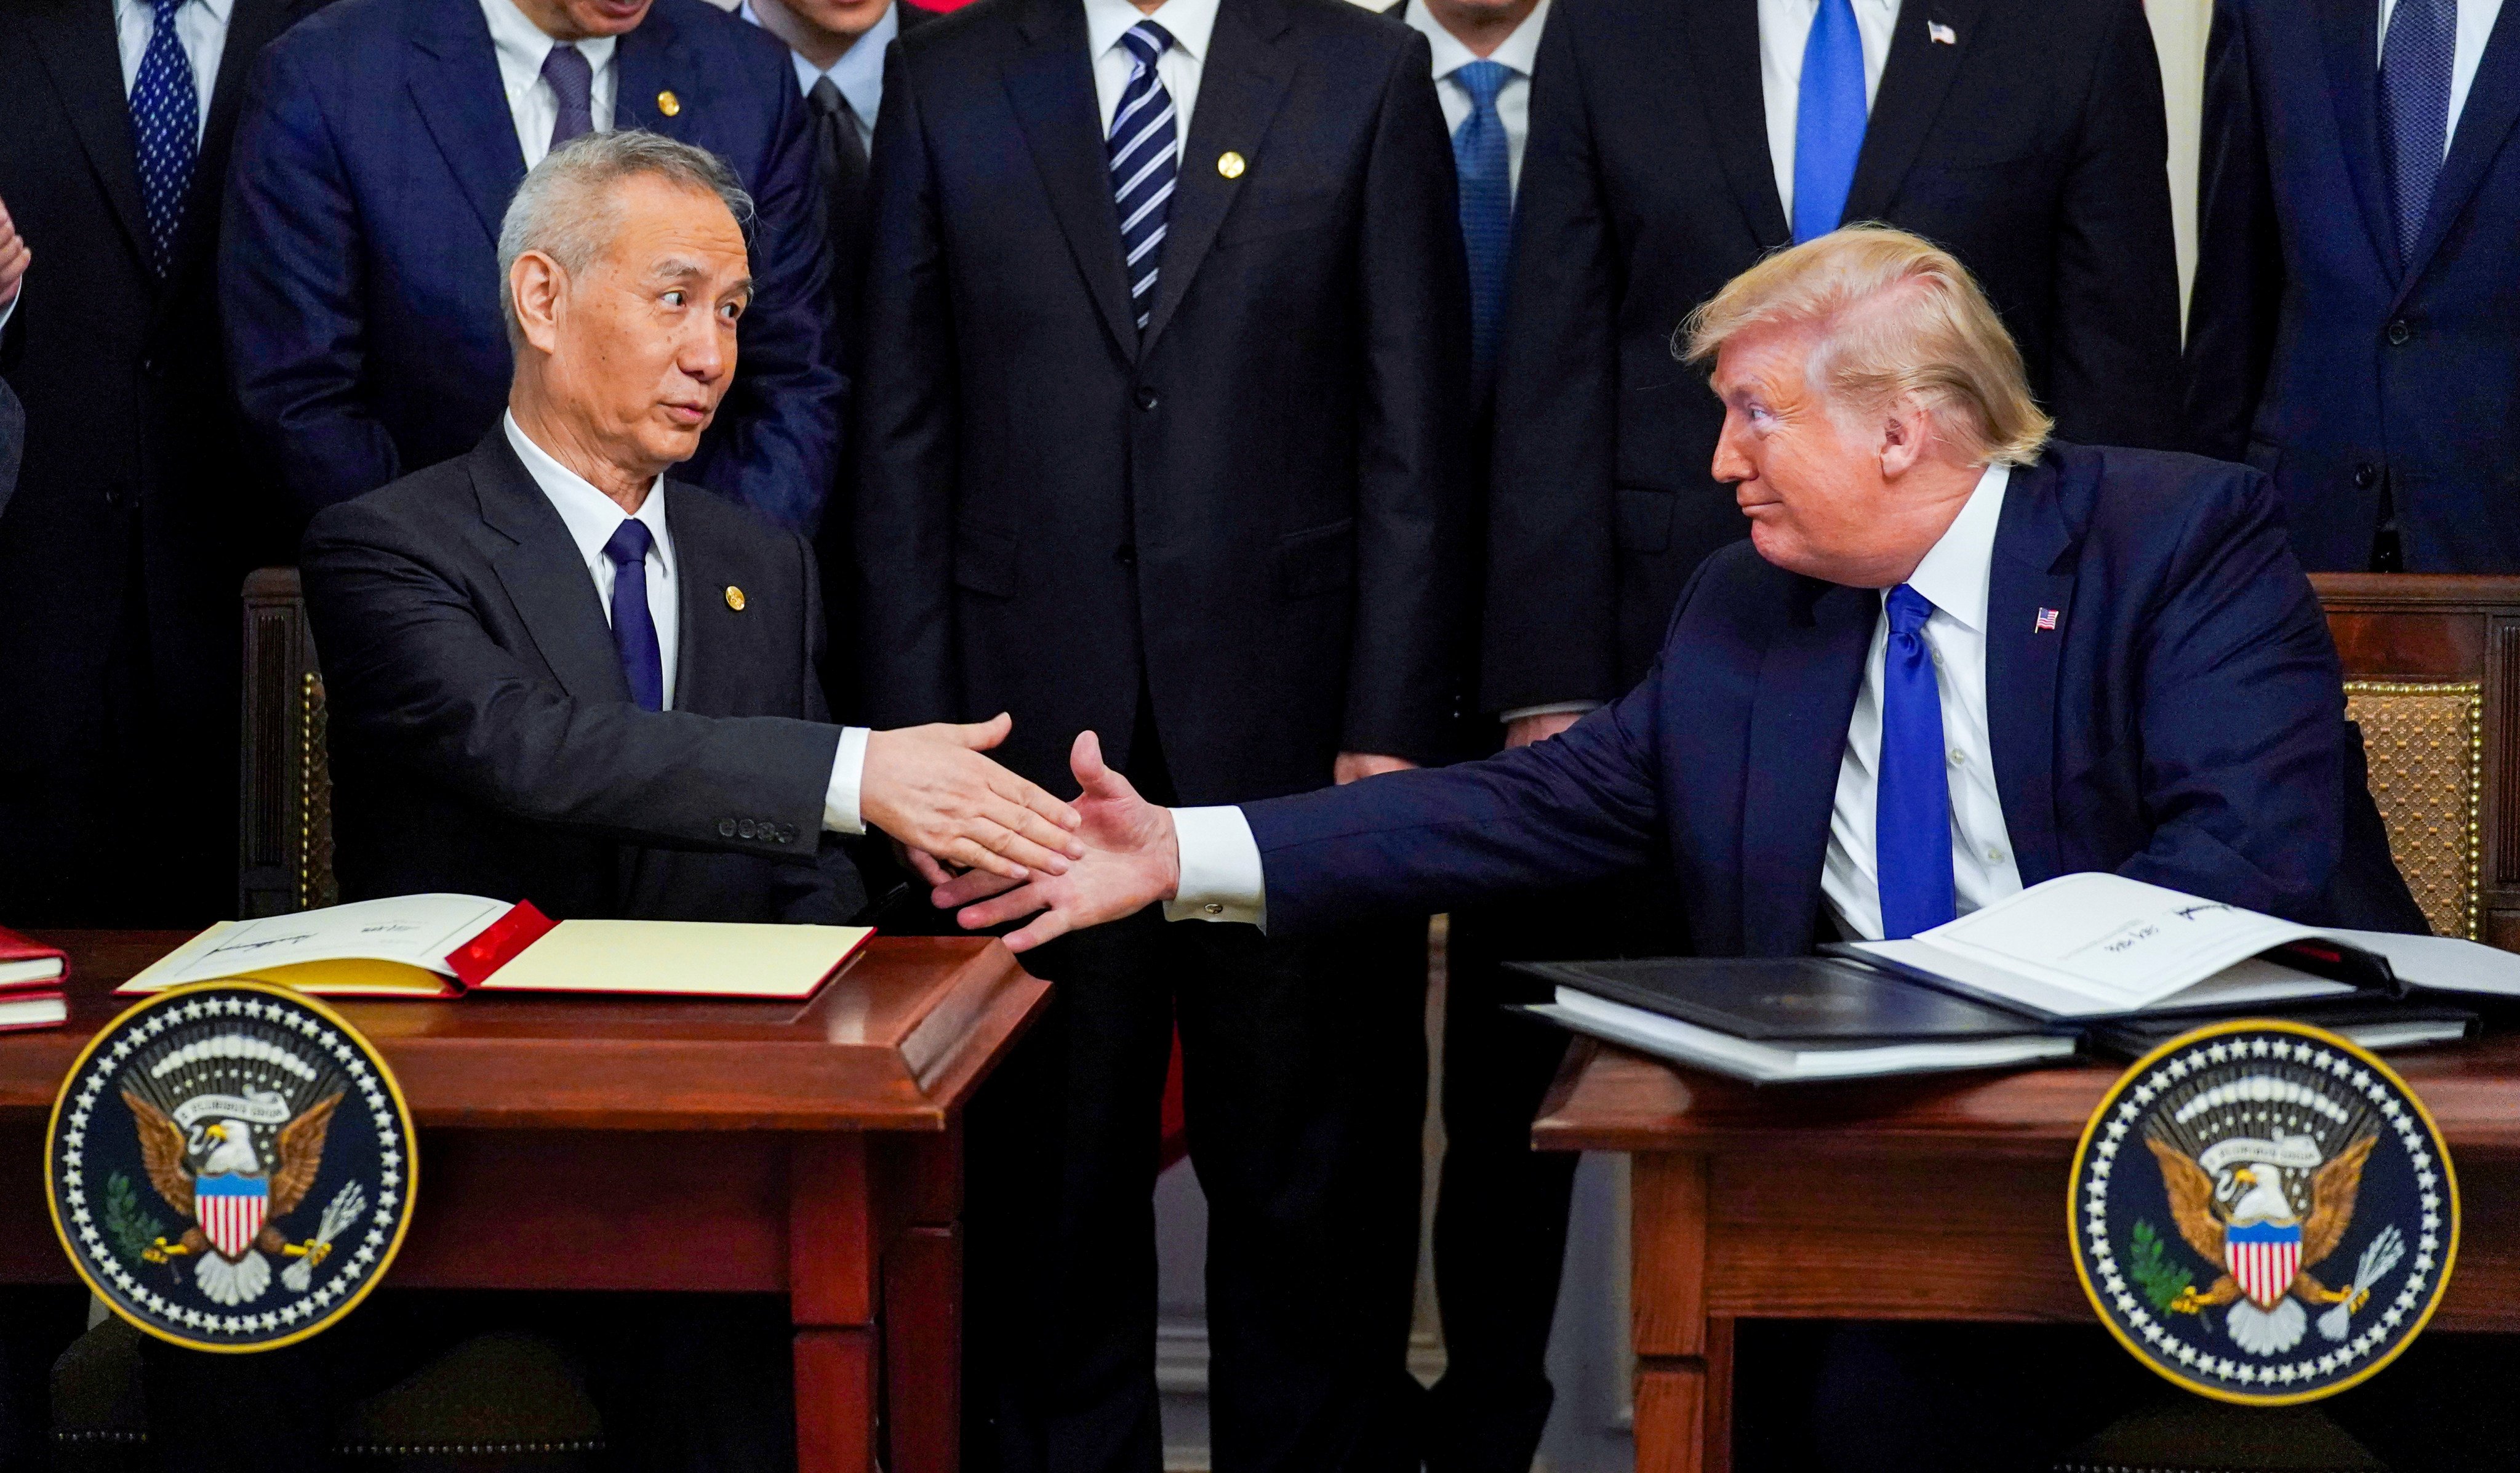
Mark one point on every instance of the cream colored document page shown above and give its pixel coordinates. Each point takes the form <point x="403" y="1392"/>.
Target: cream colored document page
<point x="679" y="960"/>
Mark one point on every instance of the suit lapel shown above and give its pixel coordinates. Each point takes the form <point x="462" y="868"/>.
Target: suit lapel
<point x="650" y="61"/>
<point x="1051" y="85"/>
<point x="545" y="579"/>
<point x="1807" y="687"/>
<point x="2349" y="35"/>
<point x="2492" y="106"/>
<point x="1238" y="91"/>
<point x="252" y="26"/>
<point x="2031" y="544"/>
<point x="84" y="60"/>
<point x="700" y="571"/>
<point x="463" y="106"/>
<point x="1724" y="54"/>
<point x="1915" y="80"/>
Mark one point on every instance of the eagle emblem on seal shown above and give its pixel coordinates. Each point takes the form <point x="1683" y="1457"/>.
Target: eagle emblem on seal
<point x="205" y="1161"/>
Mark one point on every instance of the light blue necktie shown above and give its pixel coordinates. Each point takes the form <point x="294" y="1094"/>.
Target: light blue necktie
<point x="1912" y="816"/>
<point x="2414" y="108"/>
<point x="166" y="123"/>
<point x="1145" y="159"/>
<point x="1828" y="121"/>
<point x="1481" y="158"/>
<point x="634" y="627"/>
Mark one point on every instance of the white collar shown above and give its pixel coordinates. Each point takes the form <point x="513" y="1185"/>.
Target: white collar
<point x="1190" y="22"/>
<point x="1954" y="574"/>
<point x="218" y="10"/>
<point x="592" y="517"/>
<point x="1519" y="53"/>
<point x="523" y="44"/>
<point x="859" y="72"/>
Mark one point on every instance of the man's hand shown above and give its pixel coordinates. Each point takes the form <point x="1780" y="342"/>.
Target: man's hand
<point x="930" y="787"/>
<point x="14" y="256"/>
<point x="1352" y="765"/>
<point x="1131" y="861"/>
<point x="1522" y="731"/>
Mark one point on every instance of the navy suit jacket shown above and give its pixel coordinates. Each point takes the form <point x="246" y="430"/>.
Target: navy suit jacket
<point x="2312" y="354"/>
<point x="360" y="267"/>
<point x="2182" y="724"/>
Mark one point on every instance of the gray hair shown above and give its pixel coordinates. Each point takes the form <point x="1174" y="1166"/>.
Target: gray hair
<point x="565" y="207"/>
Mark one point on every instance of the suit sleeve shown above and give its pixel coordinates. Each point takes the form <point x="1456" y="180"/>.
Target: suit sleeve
<point x="416" y="678"/>
<point x="775" y="445"/>
<point x="2240" y="267"/>
<point x="1580" y="808"/>
<point x="906" y="421"/>
<point x="1413" y="508"/>
<point x="293" y="299"/>
<point x="2242" y="723"/>
<point x="2114" y="370"/>
<point x="1551" y="621"/>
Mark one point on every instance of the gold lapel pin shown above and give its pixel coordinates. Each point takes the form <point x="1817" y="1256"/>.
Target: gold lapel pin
<point x="1230" y="164"/>
<point x="735" y="598"/>
<point x="671" y="105"/>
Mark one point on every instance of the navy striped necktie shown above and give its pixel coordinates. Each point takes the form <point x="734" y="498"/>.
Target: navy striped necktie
<point x="1145" y="159"/>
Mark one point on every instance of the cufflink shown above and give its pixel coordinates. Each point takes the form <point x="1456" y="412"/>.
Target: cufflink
<point x="1212" y="908"/>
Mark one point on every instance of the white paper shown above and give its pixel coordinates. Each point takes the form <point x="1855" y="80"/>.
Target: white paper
<point x="2445" y="963"/>
<point x="1742" y="1058"/>
<point x="417" y="930"/>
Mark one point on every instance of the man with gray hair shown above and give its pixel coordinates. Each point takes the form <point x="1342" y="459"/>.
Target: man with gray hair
<point x="1954" y="659"/>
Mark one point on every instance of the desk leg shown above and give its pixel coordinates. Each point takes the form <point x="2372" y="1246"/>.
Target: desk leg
<point x="831" y="1295"/>
<point x="1681" y="1367"/>
<point x="923" y="1310"/>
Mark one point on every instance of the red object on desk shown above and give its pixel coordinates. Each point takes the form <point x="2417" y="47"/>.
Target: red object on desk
<point x="16" y="948"/>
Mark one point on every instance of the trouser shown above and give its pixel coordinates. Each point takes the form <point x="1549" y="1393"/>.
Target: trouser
<point x="1304" y="1083"/>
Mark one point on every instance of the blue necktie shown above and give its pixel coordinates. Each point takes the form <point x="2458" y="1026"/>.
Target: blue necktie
<point x="166" y="124"/>
<point x="1828" y="121"/>
<point x="1485" y="166"/>
<point x="634" y="632"/>
<point x="1143" y="162"/>
<point x="1911" y="819"/>
<point x="572" y="83"/>
<point x="2414" y="108"/>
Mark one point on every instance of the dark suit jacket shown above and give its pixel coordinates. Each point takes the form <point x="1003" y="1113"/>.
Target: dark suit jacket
<point x="374" y="162"/>
<point x="483" y="740"/>
<point x="1253" y="512"/>
<point x="2312" y="353"/>
<point x="131" y="495"/>
<point x="2183" y="726"/>
<point x="2033" y="147"/>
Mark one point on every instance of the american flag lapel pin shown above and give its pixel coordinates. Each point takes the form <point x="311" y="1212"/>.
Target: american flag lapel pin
<point x="1940" y="34"/>
<point x="2047" y="621"/>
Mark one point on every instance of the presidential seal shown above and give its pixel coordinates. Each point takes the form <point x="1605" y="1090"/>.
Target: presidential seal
<point x="2263" y="1212"/>
<point x="230" y="1166"/>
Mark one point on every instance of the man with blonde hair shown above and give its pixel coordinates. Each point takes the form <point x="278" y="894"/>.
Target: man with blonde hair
<point x="1954" y="659"/>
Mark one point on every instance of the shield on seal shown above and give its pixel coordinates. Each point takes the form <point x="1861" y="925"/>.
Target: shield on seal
<point x="2264" y="1259"/>
<point x="231" y="1210"/>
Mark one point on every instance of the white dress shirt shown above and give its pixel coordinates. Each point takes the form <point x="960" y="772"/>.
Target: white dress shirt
<point x="521" y="46"/>
<point x="858" y="74"/>
<point x="1221" y="873"/>
<point x="1785" y="29"/>
<point x="1952" y="577"/>
<point x="1516" y="53"/>
<point x="2468" y="47"/>
<point x="1190" y="23"/>
<point x="592" y="517"/>
<point x="200" y="28"/>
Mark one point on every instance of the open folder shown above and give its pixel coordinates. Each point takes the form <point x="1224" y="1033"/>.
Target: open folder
<point x="442" y="945"/>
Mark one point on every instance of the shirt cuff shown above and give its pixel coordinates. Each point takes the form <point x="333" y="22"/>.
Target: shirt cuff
<point x="1220" y="868"/>
<point x="848" y="769"/>
<point x="11" y="305"/>
<point x="1553" y="709"/>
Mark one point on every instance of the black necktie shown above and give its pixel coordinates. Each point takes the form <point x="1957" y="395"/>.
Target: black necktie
<point x="839" y="154"/>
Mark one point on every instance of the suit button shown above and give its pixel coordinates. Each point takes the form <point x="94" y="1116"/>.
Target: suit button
<point x="1148" y="398"/>
<point x="2399" y="332"/>
<point x="726" y="828"/>
<point x="745" y="828"/>
<point x="149" y="365"/>
<point x="1126" y="557"/>
<point x="2364" y="476"/>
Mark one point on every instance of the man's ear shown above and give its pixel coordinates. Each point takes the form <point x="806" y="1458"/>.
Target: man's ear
<point x="1907" y="430"/>
<point x="538" y="283"/>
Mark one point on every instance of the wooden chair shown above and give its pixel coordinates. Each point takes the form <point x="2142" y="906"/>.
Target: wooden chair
<point x="2431" y="674"/>
<point x="285" y="827"/>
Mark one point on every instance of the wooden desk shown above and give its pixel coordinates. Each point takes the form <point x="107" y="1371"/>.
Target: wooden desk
<point x="1914" y="1200"/>
<point x="815" y="1152"/>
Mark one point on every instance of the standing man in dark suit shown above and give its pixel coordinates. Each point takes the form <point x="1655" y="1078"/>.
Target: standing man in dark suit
<point x="1164" y="439"/>
<point x="2351" y="331"/>
<point x="376" y="157"/>
<point x="1674" y="145"/>
<point x="134" y="523"/>
<point x="838" y="48"/>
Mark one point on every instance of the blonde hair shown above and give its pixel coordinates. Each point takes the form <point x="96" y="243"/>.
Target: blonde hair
<point x="1897" y="317"/>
